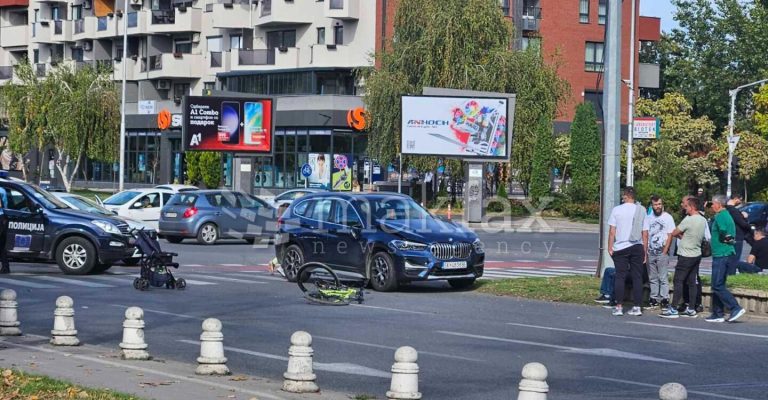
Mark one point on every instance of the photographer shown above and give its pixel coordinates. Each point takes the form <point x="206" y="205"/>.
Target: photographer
<point x="723" y="239"/>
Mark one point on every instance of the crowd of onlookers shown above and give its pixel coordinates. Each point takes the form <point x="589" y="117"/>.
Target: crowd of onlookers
<point x="642" y="242"/>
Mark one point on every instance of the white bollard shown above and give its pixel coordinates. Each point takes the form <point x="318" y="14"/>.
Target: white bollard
<point x="300" y="378"/>
<point x="9" y="317"/>
<point x="673" y="391"/>
<point x="405" y="375"/>
<point x="533" y="386"/>
<point x="212" y="360"/>
<point x="64" y="332"/>
<point x="133" y="345"/>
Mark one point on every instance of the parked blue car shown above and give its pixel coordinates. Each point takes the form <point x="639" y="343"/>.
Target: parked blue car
<point x="210" y="215"/>
<point x="385" y="237"/>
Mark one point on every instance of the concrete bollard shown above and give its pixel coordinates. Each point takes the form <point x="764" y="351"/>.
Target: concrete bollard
<point x="64" y="332"/>
<point x="212" y="360"/>
<point x="9" y="317"/>
<point x="533" y="386"/>
<point x="673" y="391"/>
<point x="405" y="375"/>
<point x="300" y="378"/>
<point x="133" y="345"/>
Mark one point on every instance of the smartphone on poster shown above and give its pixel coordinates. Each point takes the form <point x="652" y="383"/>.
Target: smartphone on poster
<point x="254" y="123"/>
<point x="229" y="130"/>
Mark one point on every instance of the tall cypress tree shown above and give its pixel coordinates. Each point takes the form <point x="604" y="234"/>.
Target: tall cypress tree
<point x="543" y="157"/>
<point x="585" y="155"/>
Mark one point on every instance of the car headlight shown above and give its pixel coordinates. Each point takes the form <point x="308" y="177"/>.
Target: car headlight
<point x="107" y="227"/>
<point x="478" y="246"/>
<point x="407" y="246"/>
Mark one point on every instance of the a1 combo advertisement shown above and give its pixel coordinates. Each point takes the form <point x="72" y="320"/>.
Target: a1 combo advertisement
<point x="240" y="125"/>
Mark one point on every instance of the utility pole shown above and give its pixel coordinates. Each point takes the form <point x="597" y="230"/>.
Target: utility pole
<point x="123" y="62"/>
<point x="731" y="125"/>
<point x="631" y="113"/>
<point x="609" y="192"/>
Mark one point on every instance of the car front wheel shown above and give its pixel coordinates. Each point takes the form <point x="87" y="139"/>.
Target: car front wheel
<point x="383" y="277"/>
<point x="76" y="256"/>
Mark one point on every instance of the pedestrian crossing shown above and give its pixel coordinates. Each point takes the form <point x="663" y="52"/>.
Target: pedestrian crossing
<point x="515" y="273"/>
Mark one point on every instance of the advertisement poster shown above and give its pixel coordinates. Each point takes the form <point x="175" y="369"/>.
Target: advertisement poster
<point x="321" y="170"/>
<point x="341" y="176"/>
<point x="228" y="124"/>
<point x="455" y="126"/>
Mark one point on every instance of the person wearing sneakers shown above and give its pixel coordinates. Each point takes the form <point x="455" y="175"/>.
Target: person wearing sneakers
<point x="691" y="233"/>
<point x="657" y="237"/>
<point x="723" y="239"/>
<point x="625" y="245"/>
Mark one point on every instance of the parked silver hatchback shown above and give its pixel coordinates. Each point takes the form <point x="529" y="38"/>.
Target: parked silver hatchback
<point x="210" y="215"/>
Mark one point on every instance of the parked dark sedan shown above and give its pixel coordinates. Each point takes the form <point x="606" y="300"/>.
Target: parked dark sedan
<point x="210" y="215"/>
<point x="386" y="237"/>
<point x="757" y="212"/>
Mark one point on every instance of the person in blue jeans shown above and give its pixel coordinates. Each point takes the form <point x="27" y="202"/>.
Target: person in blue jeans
<point x="723" y="254"/>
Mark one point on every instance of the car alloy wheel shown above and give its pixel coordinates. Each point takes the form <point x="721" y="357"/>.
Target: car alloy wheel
<point x="292" y="261"/>
<point x="75" y="256"/>
<point x="208" y="234"/>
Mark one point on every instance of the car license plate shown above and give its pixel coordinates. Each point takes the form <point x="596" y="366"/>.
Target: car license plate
<point x="455" y="265"/>
<point x="170" y="215"/>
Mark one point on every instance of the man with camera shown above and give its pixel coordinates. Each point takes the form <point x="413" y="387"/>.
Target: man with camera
<point x="723" y="239"/>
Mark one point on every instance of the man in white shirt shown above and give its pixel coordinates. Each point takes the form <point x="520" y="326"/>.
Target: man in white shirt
<point x="625" y="245"/>
<point x="657" y="238"/>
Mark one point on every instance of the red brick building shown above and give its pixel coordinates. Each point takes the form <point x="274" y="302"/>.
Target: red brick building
<point x="571" y="33"/>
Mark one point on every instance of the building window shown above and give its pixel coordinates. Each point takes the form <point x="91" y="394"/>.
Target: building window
<point x="602" y="11"/>
<point x="77" y="12"/>
<point x="530" y="42"/>
<point x="584" y="11"/>
<point x="277" y="39"/>
<point x="596" y="98"/>
<point x="504" y="7"/>
<point x="593" y="57"/>
<point x="338" y="34"/>
<point x="320" y="35"/>
<point x="235" y="42"/>
<point x="179" y="91"/>
<point x="209" y="87"/>
<point x="182" y="45"/>
<point x="77" y="54"/>
<point x="36" y="56"/>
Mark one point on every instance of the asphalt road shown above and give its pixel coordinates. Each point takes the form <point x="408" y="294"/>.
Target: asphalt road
<point x="472" y="346"/>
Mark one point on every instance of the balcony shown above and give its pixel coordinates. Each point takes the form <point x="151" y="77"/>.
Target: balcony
<point x="131" y="66"/>
<point x="283" y="13"/>
<point x="14" y="35"/>
<point x="42" y="32"/>
<point x="137" y="23"/>
<point x="6" y="72"/>
<point x="62" y="31"/>
<point x="83" y="29"/>
<point x="169" y="65"/>
<point x="40" y="70"/>
<point x="228" y="14"/>
<point x="343" y="9"/>
<point x="253" y="57"/>
<point x="531" y="19"/>
<point x="168" y="21"/>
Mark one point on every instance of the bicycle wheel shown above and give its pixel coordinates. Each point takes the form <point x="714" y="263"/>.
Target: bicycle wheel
<point x="320" y="285"/>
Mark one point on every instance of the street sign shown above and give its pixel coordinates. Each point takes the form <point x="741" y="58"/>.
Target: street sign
<point x="733" y="141"/>
<point x="306" y="170"/>
<point x="646" y="128"/>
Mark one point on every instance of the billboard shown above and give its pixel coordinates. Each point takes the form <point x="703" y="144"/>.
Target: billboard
<point x="463" y="127"/>
<point x="321" y="171"/>
<point x="341" y="174"/>
<point x="243" y="125"/>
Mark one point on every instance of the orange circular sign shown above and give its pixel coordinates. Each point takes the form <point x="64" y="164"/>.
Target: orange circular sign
<point x="356" y="118"/>
<point x="164" y="119"/>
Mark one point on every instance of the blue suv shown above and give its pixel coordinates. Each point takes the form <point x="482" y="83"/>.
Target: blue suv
<point x="386" y="237"/>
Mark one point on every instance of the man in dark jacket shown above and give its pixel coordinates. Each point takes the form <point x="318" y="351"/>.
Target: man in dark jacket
<point x="743" y="229"/>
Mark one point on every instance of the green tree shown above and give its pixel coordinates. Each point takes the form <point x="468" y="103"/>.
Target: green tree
<point x="751" y="151"/>
<point x="761" y="110"/>
<point x="585" y="155"/>
<point x="460" y="44"/>
<point x="204" y="167"/>
<point x="543" y="157"/>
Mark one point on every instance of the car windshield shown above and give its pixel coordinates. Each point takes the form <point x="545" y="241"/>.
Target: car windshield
<point x="392" y="209"/>
<point x="81" y="203"/>
<point x="121" y="198"/>
<point x="48" y="200"/>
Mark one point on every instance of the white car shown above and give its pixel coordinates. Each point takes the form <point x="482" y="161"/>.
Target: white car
<point x="81" y="203"/>
<point x="139" y="204"/>
<point x="176" y="188"/>
<point x="287" y="197"/>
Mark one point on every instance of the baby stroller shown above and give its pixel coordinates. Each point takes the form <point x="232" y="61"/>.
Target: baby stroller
<point x="155" y="264"/>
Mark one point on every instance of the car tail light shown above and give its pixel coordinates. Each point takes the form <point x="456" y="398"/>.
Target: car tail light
<point x="190" y="212"/>
<point x="279" y="222"/>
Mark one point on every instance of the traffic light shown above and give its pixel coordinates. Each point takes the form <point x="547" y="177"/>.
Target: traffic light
<point x="735" y="165"/>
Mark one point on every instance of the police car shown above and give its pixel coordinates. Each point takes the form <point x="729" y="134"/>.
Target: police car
<point x="43" y="228"/>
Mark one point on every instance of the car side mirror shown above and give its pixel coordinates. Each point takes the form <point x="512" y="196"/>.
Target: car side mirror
<point x="37" y="210"/>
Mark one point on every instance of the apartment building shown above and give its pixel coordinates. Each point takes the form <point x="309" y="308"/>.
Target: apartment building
<point x="301" y="49"/>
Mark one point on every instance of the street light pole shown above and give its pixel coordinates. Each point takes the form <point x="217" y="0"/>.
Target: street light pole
<point x="121" y="170"/>
<point x="631" y="113"/>
<point x="731" y="126"/>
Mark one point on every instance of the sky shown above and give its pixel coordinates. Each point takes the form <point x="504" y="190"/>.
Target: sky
<point x="659" y="8"/>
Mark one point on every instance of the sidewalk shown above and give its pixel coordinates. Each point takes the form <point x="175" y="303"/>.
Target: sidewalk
<point x="530" y="224"/>
<point x="94" y="366"/>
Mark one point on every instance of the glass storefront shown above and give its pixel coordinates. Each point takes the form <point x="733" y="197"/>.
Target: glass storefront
<point x="142" y="160"/>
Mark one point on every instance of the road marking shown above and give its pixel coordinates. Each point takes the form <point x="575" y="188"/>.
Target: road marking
<point x="256" y="276"/>
<point x="232" y="265"/>
<point x="73" y="282"/>
<point x="492" y="262"/>
<point x="160" y="312"/>
<point x="112" y="279"/>
<point x="393" y="309"/>
<point x="189" y="281"/>
<point x="193" y="265"/>
<point x="649" y="385"/>
<point x="221" y="278"/>
<point x="144" y="369"/>
<point x="602" y="352"/>
<point x="701" y="330"/>
<point x="16" y="282"/>
<point x="378" y="346"/>
<point x="344" y="368"/>
<point x="590" y="333"/>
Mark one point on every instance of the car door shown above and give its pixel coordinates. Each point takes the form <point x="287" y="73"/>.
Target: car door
<point x="146" y="208"/>
<point x="257" y="216"/>
<point x="27" y="223"/>
<point x="344" y="246"/>
<point x="314" y="230"/>
<point x="230" y="220"/>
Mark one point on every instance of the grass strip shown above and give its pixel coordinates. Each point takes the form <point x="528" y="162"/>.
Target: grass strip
<point x="17" y="385"/>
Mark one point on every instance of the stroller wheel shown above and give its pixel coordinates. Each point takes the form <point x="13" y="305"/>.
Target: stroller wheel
<point x="136" y="283"/>
<point x="143" y="284"/>
<point x="181" y="283"/>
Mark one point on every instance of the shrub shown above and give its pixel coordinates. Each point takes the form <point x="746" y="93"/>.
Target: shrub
<point x="585" y="211"/>
<point x="585" y="155"/>
<point x="542" y="162"/>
